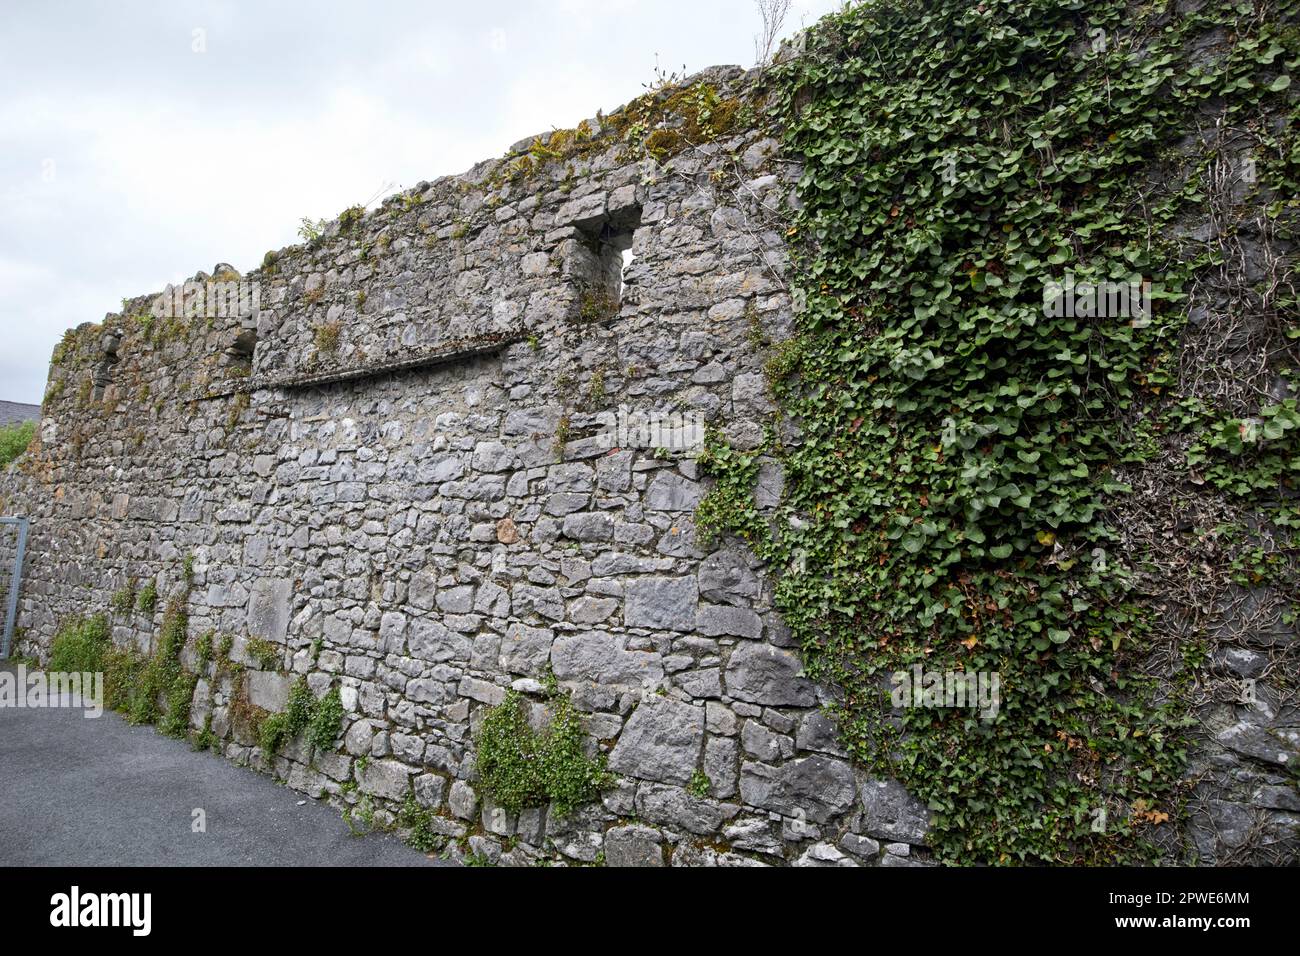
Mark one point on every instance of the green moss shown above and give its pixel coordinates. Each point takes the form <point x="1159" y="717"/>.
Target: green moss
<point x="597" y="305"/>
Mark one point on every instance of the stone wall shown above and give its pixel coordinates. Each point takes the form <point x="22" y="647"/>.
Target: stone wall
<point x="410" y="490"/>
<point x="397" y="467"/>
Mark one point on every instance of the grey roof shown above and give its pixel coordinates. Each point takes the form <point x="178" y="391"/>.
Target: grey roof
<point x="12" y="413"/>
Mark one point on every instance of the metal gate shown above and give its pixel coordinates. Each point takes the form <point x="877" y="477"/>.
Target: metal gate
<point x="13" y="543"/>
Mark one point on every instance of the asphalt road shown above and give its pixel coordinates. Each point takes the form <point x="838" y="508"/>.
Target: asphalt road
<point x="99" y="792"/>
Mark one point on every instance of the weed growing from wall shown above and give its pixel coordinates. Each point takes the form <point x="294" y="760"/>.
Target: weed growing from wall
<point x="326" y="719"/>
<point x="521" y="767"/>
<point x="80" y="645"/>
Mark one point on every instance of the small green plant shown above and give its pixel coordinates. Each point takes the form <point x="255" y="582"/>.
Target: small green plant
<point x="597" y="305"/>
<point x="80" y="646"/>
<point x="327" y="336"/>
<point x="277" y="729"/>
<point x="14" y="440"/>
<point x="729" y="507"/>
<point x="326" y="721"/>
<point x="166" y="677"/>
<point x="562" y="436"/>
<point x="782" y="364"/>
<point x="238" y="405"/>
<point x="203" y="649"/>
<point x="757" y="335"/>
<point x="157" y="688"/>
<point x="521" y="767"/>
<point x="205" y="739"/>
<point x="364" y="811"/>
<point x="123" y="600"/>
<point x="699" y="785"/>
<point x="264" y="653"/>
<point x="418" y="821"/>
<point x="351" y="217"/>
<point x="596" y="389"/>
<point x="311" y="230"/>
<point x="146" y="323"/>
<point x="147" y="599"/>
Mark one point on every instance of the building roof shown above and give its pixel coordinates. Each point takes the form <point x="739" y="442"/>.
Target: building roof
<point x="12" y="413"/>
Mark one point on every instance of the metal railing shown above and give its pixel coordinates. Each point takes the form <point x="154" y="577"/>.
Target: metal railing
<point x="13" y="545"/>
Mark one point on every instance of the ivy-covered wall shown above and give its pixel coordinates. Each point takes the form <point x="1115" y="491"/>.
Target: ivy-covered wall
<point x="372" y="533"/>
<point x="1001" y="472"/>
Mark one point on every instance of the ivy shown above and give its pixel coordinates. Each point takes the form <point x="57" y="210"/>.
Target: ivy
<point x="1255" y="457"/>
<point x="947" y="503"/>
<point x="729" y="506"/>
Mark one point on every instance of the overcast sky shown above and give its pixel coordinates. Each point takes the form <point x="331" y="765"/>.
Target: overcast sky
<point x="143" y="141"/>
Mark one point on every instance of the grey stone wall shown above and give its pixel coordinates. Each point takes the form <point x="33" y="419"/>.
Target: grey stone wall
<point x="397" y="469"/>
<point x="420" y="507"/>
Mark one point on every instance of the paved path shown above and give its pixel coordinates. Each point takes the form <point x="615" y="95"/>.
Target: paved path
<point x="79" y="792"/>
